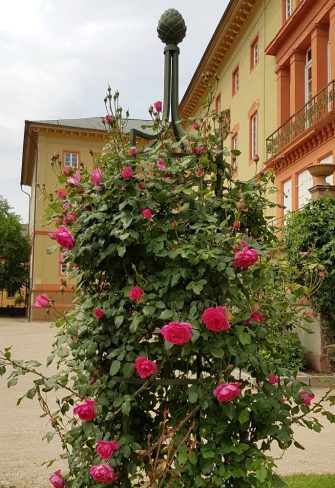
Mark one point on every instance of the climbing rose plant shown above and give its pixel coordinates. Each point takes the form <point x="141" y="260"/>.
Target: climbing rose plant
<point x="178" y="362"/>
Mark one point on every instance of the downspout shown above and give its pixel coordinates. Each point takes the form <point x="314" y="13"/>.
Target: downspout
<point x="27" y="295"/>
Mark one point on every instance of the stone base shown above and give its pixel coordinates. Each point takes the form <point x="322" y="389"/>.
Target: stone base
<point x="322" y="190"/>
<point x="317" y="362"/>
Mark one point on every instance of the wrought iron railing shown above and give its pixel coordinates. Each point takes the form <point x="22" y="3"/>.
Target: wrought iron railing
<point x="308" y="116"/>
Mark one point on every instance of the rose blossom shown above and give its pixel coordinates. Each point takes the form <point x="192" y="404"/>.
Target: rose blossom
<point x="215" y="319"/>
<point x="57" y="480"/>
<point x="308" y="314"/>
<point x="109" y="119"/>
<point x="245" y="257"/>
<point x="198" y="150"/>
<point x="127" y="173"/>
<point x="273" y="379"/>
<point x="147" y="214"/>
<point x="227" y="392"/>
<point x="96" y="176"/>
<point x="105" y="449"/>
<point x="239" y="205"/>
<point x="160" y="164"/>
<point x="158" y="106"/>
<point x="42" y="301"/>
<point x="199" y="171"/>
<point x="306" y="397"/>
<point x="237" y="225"/>
<point x="256" y="316"/>
<point x="103" y="473"/>
<point x="196" y="125"/>
<point x="136" y="293"/>
<point x="67" y="171"/>
<point x="132" y="151"/>
<point x="145" y="367"/>
<point x="66" y="206"/>
<point x="177" y="333"/>
<point x="64" y="237"/>
<point x="61" y="194"/>
<point x="74" y="180"/>
<point x="86" y="410"/>
<point x="71" y="217"/>
<point x="98" y="313"/>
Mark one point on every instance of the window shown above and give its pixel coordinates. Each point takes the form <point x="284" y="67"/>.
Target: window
<point x="328" y="160"/>
<point x="254" y="53"/>
<point x="288" y="9"/>
<point x="71" y="159"/>
<point x="287" y="200"/>
<point x="218" y="103"/>
<point x="254" y="135"/>
<point x="305" y="182"/>
<point x="234" y="146"/>
<point x="10" y="293"/>
<point x="236" y="80"/>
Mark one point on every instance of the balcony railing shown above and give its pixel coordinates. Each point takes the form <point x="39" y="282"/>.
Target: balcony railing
<point x="307" y="117"/>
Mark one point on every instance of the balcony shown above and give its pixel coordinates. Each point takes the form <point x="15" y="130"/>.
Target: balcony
<point x="303" y="121"/>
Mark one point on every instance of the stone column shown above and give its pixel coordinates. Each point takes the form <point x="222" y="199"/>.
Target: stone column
<point x="319" y="42"/>
<point x="297" y="85"/>
<point x="332" y="41"/>
<point x="283" y="94"/>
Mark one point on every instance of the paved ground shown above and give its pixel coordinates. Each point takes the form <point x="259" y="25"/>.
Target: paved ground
<point x="22" y="452"/>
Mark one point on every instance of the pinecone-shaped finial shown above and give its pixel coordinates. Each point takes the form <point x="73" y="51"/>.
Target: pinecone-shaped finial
<point x="171" y="27"/>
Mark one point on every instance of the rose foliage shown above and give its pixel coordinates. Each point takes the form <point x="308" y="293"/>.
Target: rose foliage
<point x="189" y="369"/>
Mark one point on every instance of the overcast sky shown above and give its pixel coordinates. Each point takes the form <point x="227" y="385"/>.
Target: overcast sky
<point x="58" y="56"/>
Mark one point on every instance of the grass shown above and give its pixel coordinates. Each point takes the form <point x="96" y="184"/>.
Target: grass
<point x="310" y="481"/>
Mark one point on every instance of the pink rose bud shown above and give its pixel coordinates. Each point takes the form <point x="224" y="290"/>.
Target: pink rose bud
<point x="256" y="316"/>
<point x="199" y="171"/>
<point x="196" y="125"/>
<point x="96" y="176"/>
<point x="67" y="171"/>
<point x="64" y="237"/>
<point x="61" y="194"/>
<point x="273" y="379"/>
<point x="227" y="392"/>
<point x="127" y="173"/>
<point x="246" y="257"/>
<point x="306" y="397"/>
<point x="147" y="213"/>
<point x="42" y="301"/>
<point x="86" y="410"/>
<point x="69" y="218"/>
<point x="103" y="473"/>
<point x="160" y="164"/>
<point x="240" y="205"/>
<point x="132" y="151"/>
<point x="105" y="449"/>
<point x="237" y="225"/>
<point x="66" y="206"/>
<point x="57" y="480"/>
<point x="174" y="224"/>
<point x="177" y="333"/>
<point x="322" y="274"/>
<point x="145" y="367"/>
<point x="136" y="293"/>
<point x="308" y="314"/>
<point x="215" y="319"/>
<point x="98" y="313"/>
<point x="74" y="180"/>
<point x="158" y="106"/>
<point x="109" y="119"/>
<point x="198" y="150"/>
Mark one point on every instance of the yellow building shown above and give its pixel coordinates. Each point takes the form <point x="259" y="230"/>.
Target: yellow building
<point x="247" y="86"/>
<point x="75" y="140"/>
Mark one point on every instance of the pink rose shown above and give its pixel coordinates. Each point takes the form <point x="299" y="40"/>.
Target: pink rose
<point x="256" y="316"/>
<point x="109" y="119"/>
<point x="127" y="173"/>
<point x="98" y="313"/>
<point x="136" y="293"/>
<point x="102" y="473"/>
<point x="132" y="151"/>
<point x="74" y="180"/>
<point x="71" y="217"/>
<point x="246" y="257"/>
<point x="196" y="125"/>
<point x="61" y="194"/>
<point x="199" y="171"/>
<point x="306" y="397"/>
<point x="215" y="319"/>
<point x="147" y="214"/>
<point x="66" y="206"/>
<point x="239" y="205"/>
<point x="57" y="480"/>
<point x="308" y="314"/>
<point x="86" y="410"/>
<point x="145" y="367"/>
<point x="177" y="333"/>
<point x="42" y="301"/>
<point x="64" y="237"/>
<point x="158" y="106"/>
<point x="67" y="171"/>
<point x="227" y="392"/>
<point x="237" y="225"/>
<point x="160" y="164"/>
<point x="273" y="379"/>
<point x="198" y="150"/>
<point x="96" y="176"/>
<point x="105" y="449"/>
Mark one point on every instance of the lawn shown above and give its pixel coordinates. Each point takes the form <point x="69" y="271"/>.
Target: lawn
<point x="311" y="481"/>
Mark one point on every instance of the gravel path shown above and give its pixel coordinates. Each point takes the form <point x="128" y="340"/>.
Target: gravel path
<point x="22" y="451"/>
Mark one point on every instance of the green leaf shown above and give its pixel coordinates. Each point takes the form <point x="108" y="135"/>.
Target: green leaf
<point x="115" y="368"/>
<point x="31" y="393"/>
<point x="12" y="382"/>
<point x="243" y="417"/>
<point x="135" y="323"/>
<point x="148" y="310"/>
<point x="192" y="394"/>
<point x="243" y="337"/>
<point x="118" y="320"/>
<point x="52" y="249"/>
<point x="166" y="314"/>
<point x="128" y="370"/>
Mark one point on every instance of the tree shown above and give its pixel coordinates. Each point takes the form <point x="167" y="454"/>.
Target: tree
<point x="14" y="251"/>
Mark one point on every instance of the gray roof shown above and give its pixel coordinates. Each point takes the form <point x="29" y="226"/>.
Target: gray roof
<point x="95" y="123"/>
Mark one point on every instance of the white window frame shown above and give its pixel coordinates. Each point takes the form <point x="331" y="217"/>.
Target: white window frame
<point x="288" y="9"/>
<point x="71" y="159"/>
<point x="236" y="80"/>
<point x="254" y="135"/>
<point x="305" y="182"/>
<point x="234" y="145"/>
<point x="287" y="196"/>
<point x="255" y="52"/>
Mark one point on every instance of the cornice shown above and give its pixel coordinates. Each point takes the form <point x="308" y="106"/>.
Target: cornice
<point x="224" y="36"/>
